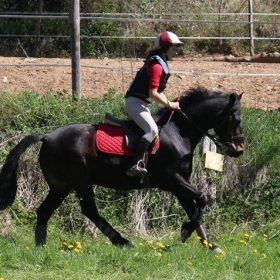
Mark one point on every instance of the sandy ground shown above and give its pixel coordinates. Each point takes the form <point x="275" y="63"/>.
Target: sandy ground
<point x="260" y="82"/>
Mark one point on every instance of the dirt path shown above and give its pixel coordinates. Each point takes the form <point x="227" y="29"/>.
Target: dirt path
<point x="260" y="82"/>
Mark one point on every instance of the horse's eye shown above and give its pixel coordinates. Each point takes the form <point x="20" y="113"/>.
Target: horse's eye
<point x="239" y="118"/>
<point x="236" y="120"/>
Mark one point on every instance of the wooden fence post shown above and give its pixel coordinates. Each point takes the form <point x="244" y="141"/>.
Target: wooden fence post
<point x="75" y="49"/>
<point x="251" y="27"/>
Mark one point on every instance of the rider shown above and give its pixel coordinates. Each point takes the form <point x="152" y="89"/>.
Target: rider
<point x="148" y="86"/>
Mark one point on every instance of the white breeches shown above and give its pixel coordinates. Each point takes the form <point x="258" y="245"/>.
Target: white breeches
<point x="138" y="111"/>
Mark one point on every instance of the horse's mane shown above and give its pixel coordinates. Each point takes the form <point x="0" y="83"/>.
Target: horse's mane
<point x="191" y="97"/>
<point x="195" y="95"/>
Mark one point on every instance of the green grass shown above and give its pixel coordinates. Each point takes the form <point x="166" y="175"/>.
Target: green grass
<point x="253" y="198"/>
<point x="248" y="255"/>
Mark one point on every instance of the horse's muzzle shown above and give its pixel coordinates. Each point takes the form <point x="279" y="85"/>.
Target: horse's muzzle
<point x="235" y="150"/>
<point x="239" y="149"/>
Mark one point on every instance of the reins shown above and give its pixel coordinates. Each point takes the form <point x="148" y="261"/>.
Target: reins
<point x="204" y="133"/>
<point x="214" y="138"/>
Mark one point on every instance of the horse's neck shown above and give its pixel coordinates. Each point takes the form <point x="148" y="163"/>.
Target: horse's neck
<point x="195" y="123"/>
<point x="181" y="132"/>
<point x="204" y="114"/>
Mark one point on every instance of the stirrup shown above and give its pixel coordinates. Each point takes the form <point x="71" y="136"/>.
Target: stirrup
<point x="137" y="169"/>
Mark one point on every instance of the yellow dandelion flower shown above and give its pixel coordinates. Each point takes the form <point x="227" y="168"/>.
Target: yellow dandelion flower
<point x="1" y="278"/>
<point x="255" y="251"/>
<point x="141" y="244"/>
<point x="161" y="245"/>
<point x="222" y="252"/>
<point x="78" y="245"/>
<point x="205" y="242"/>
<point x="210" y="245"/>
<point x="265" y="236"/>
<point x="264" y="255"/>
<point x="159" y="254"/>
<point x="70" y="246"/>
<point x="247" y="235"/>
<point x="76" y="250"/>
<point x="198" y="237"/>
<point x="243" y="242"/>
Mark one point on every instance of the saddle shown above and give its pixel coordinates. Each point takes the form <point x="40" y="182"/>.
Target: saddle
<point x="121" y="137"/>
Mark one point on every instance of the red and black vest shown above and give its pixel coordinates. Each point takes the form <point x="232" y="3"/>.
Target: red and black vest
<point x="140" y="85"/>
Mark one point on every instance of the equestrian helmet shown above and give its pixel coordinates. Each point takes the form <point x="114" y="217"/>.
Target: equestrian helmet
<point x="167" y="39"/>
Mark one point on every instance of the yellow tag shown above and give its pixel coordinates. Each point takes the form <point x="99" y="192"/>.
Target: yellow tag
<point x="214" y="161"/>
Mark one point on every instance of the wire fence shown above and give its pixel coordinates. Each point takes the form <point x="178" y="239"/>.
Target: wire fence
<point x="146" y="18"/>
<point x="195" y="19"/>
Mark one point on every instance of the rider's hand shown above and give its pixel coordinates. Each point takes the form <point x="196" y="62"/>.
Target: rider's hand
<point x="174" y="105"/>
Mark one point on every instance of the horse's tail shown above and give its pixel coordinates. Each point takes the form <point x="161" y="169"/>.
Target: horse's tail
<point x="8" y="175"/>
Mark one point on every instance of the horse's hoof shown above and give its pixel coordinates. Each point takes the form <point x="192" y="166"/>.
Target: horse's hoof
<point x="122" y="242"/>
<point x="40" y="235"/>
<point x="128" y="245"/>
<point x="217" y="250"/>
<point x="187" y="230"/>
<point x="125" y="244"/>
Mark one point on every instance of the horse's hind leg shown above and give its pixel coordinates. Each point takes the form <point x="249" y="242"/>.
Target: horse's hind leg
<point x="44" y="212"/>
<point x="89" y="209"/>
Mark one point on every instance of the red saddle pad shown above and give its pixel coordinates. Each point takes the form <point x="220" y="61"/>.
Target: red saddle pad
<point x="110" y="139"/>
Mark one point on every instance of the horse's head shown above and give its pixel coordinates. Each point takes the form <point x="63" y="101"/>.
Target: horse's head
<point x="206" y="110"/>
<point x="228" y="127"/>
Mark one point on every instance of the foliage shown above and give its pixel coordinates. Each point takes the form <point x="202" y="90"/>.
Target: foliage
<point x="199" y="26"/>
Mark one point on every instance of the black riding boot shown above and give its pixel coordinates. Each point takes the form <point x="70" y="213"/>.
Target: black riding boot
<point x="137" y="166"/>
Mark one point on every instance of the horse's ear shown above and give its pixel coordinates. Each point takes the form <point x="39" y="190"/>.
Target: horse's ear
<point x="232" y="99"/>
<point x="240" y="95"/>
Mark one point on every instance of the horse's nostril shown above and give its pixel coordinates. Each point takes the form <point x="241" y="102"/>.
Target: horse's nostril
<point x="239" y="148"/>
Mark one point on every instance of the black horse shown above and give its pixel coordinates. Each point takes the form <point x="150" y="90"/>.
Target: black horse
<point x="70" y="160"/>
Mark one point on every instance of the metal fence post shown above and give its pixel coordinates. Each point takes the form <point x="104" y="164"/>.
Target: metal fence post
<point x="75" y="48"/>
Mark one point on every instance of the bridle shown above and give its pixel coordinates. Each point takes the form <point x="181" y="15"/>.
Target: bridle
<point x="236" y="139"/>
<point x="214" y="138"/>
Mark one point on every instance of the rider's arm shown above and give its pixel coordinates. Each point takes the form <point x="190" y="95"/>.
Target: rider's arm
<point x="155" y="71"/>
<point x="162" y="99"/>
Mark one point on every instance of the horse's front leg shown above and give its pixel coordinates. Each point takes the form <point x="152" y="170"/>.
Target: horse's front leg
<point x="193" y="202"/>
<point x="186" y="198"/>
